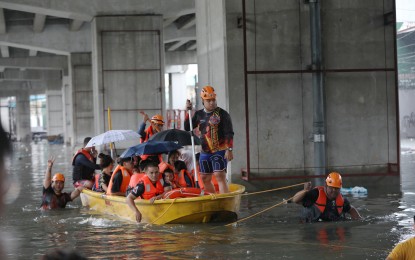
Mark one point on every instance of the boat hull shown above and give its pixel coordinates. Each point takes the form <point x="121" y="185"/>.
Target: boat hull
<point x="203" y="209"/>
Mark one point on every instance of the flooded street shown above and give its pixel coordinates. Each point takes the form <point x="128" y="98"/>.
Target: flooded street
<point x="276" y="234"/>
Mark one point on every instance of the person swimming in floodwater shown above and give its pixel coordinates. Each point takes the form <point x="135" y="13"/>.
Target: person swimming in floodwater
<point x="325" y="203"/>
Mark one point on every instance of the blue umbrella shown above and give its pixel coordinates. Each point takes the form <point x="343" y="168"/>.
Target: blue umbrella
<point x="151" y="147"/>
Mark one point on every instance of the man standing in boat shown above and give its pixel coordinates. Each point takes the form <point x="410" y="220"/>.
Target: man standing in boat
<point x="53" y="197"/>
<point x="215" y="125"/>
<point x="325" y="203"/>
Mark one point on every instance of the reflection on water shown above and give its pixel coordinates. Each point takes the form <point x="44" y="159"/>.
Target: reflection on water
<point x="275" y="234"/>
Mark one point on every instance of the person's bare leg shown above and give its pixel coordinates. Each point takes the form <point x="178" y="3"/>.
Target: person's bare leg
<point x="207" y="182"/>
<point x="221" y="178"/>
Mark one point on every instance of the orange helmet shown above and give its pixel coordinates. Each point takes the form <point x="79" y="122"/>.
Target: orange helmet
<point x="58" y="177"/>
<point x="208" y="92"/>
<point x="157" y="119"/>
<point x="334" y="179"/>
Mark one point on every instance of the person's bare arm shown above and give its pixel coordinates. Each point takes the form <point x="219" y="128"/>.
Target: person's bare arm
<point x="48" y="178"/>
<point x="299" y="196"/>
<point x="145" y="117"/>
<point x="76" y="192"/>
<point x="130" y="202"/>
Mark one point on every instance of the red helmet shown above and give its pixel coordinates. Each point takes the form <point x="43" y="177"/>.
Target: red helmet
<point x="157" y="119"/>
<point x="334" y="179"/>
<point x="58" y="177"/>
<point x="208" y="92"/>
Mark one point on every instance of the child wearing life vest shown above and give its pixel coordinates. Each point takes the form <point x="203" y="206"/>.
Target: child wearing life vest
<point x="168" y="176"/>
<point x="184" y="177"/>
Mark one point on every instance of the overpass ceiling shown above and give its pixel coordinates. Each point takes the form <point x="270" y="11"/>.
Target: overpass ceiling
<point x="24" y="24"/>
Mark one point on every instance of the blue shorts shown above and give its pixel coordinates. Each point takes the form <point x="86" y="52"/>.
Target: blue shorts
<point x="212" y="162"/>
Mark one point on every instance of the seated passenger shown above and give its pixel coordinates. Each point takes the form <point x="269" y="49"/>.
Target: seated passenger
<point x="84" y="166"/>
<point x="173" y="156"/>
<point x="103" y="179"/>
<point x="185" y="179"/>
<point x="150" y="188"/>
<point x="168" y="177"/>
<point x="53" y="197"/>
<point x="121" y="177"/>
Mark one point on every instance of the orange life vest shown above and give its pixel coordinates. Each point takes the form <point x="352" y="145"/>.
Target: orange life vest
<point x="96" y="185"/>
<point x="126" y="176"/>
<point x="81" y="172"/>
<point x="150" y="190"/>
<point x="163" y="166"/>
<point x="182" y="180"/>
<point x="321" y="201"/>
<point x="149" y="132"/>
<point x="84" y="152"/>
<point x="135" y="179"/>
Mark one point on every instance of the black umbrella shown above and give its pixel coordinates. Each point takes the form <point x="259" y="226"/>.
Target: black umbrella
<point x="151" y="147"/>
<point x="181" y="137"/>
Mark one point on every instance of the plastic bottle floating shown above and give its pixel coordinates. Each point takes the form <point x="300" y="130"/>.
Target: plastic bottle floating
<point x="355" y="191"/>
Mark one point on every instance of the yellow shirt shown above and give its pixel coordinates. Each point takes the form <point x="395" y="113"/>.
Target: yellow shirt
<point x="404" y="250"/>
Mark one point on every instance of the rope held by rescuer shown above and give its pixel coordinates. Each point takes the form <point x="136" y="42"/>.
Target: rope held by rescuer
<point x="262" y="211"/>
<point x="246" y="194"/>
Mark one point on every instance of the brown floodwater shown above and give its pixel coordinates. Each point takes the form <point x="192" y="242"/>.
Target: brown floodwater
<point x="28" y="233"/>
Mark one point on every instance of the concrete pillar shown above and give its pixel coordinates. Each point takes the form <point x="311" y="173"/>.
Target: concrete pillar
<point x="67" y="110"/>
<point x="81" y="102"/>
<point x="128" y="69"/>
<point x="211" y="47"/>
<point x="54" y="110"/>
<point x="23" y="131"/>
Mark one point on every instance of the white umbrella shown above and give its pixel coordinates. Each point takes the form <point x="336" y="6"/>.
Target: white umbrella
<point x="114" y="136"/>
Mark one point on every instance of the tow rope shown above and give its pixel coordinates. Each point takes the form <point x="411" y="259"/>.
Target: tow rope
<point x="264" y="210"/>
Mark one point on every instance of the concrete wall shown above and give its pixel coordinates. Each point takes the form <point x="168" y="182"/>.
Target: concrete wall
<point x="128" y="75"/>
<point x="360" y="106"/>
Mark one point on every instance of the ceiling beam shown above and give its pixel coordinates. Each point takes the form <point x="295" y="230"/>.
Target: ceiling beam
<point x="75" y="25"/>
<point x="187" y="24"/>
<point x="39" y="23"/>
<point x="43" y="63"/>
<point x="5" y="51"/>
<point x="57" y="39"/>
<point x="32" y="53"/>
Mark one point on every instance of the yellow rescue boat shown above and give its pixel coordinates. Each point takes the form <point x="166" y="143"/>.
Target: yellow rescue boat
<point x="202" y="209"/>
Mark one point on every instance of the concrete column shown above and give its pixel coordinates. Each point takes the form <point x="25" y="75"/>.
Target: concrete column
<point x="67" y="110"/>
<point x="54" y="108"/>
<point x="23" y="131"/>
<point x="128" y="69"/>
<point x="81" y="102"/>
<point x="211" y="47"/>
